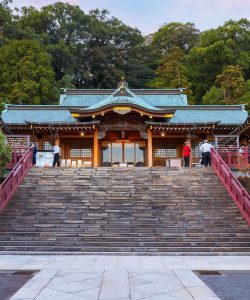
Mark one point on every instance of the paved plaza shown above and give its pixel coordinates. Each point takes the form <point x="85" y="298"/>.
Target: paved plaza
<point x="90" y="277"/>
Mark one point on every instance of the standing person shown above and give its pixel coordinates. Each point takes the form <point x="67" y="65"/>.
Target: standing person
<point x="202" y="156"/>
<point x="186" y="154"/>
<point x="56" y="151"/>
<point x="34" y="152"/>
<point x="206" y="153"/>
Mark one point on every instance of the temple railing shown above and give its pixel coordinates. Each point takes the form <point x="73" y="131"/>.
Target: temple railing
<point x="17" y="154"/>
<point x="15" y="177"/>
<point x="232" y="155"/>
<point x="232" y="184"/>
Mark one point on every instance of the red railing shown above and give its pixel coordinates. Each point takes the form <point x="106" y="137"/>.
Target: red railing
<point x="15" y="177"/>
<point x="231" y="155"/>
<point x="17" y="154"/>
<point x="232" y="184"/>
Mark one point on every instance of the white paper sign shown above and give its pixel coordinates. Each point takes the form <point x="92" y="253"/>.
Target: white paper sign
<point x="44" y="159"/>
<point x="176" y="163"/>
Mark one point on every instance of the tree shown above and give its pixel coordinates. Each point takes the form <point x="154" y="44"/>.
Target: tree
<point x="182" y="35"/>
<point x="245" y="99"/>
<point x="95" y="49"/>
<point x="65" y="82"/>
<point x="26" y="75"/>
<point x="5" y="20"/>
<point x="172" y="72"/>
<point x="204" y="64"/>
<point x="226" y="45"/>
<point x="232" y="83"/>
<point x="213" y="96"/>
<point x="113" y="50"/>
<point x="5" y="154"/>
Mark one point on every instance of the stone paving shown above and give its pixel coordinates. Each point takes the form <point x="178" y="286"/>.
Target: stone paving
<point x="93" y="277"/>
<point x="229" y="285"/>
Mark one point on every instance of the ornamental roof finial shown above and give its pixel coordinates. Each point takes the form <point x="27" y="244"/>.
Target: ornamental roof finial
<point x="122" y="83"/>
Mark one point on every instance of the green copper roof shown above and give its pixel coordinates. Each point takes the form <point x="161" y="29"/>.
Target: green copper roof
<point x="223" y="116"/>
<point x="155" y="99"/>
<point x="122" y="96"/>
<point x="23" y="116"/>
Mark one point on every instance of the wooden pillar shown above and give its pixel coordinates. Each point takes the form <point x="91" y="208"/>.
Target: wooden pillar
<point x="96" y="149"/>
<point x="150" y="148"/>
<point x="57" y="140"/>
<point x="40" y="144"/>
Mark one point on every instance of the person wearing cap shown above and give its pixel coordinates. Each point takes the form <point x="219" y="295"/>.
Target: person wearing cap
<point x="186" y="154"/>
<point x="206" y="153"/>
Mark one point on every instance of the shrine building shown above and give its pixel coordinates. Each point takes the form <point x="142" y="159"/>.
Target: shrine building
<point x="128" y="127"/>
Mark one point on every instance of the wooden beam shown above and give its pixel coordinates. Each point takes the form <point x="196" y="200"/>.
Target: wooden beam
<point x="150" y="148"/>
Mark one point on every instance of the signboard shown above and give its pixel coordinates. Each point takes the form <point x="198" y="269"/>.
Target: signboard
<point x="44" y="159"/>
<point x="173" y="163"/>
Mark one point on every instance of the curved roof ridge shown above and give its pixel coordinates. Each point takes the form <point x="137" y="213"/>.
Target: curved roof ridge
<point x="122" y="95"/>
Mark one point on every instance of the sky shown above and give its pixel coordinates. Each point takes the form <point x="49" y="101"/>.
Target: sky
<point x="149" y="15"/>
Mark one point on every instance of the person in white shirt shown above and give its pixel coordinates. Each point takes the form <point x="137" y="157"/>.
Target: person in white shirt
<point x="56" y="151"/>
<point x="206" y="153"/>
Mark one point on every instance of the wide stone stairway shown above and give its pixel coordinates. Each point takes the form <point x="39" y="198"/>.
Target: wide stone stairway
<point x="140" y="210"/>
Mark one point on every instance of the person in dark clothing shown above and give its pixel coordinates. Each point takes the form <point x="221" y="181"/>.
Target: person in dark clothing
<point x="206" y="153"/>
<point x="34" y="152"/>
<point x="186" y="154"/>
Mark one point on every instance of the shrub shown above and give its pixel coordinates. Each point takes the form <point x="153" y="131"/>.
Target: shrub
<point x="5" y="154"/>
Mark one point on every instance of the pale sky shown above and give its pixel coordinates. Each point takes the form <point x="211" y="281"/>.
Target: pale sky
<point x="149" y="15"/>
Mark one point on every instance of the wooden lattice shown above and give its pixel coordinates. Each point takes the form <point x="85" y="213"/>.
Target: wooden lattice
<point x="227" y="141"/>
<point x="18" y="141"/>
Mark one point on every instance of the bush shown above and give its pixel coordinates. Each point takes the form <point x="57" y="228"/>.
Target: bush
<point x="245" y="181"/>
<point x="5" y="154"/>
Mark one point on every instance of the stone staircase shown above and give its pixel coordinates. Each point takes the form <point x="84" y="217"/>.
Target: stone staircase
<point x="116" y="210"/>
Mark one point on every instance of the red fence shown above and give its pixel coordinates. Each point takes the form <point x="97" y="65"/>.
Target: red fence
<point x="232" y="184"/>
<point x="232" y="155"/>
<point x="13" y="180"/>
<point x="17" y="154"/>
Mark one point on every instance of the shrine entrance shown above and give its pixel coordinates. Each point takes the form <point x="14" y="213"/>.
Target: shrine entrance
<point x="123" y="153"/>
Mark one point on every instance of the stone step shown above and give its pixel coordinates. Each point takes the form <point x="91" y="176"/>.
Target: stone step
<point x="142" y="250"/>
<point x="122" y="210"/>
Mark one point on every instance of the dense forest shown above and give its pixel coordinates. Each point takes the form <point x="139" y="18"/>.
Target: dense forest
<point x="61" y="46"/>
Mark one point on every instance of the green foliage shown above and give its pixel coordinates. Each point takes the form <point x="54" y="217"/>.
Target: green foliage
<point x="226" y="45"/>
<point x="59" y="45"/>
<point x="245" y="99"/>
<point x="5" y="154"/>
<point x="213" y="96"/>
<point x="65" y="82"/>
<point x="203" y="65"/>
<point x="172" y="72"/>
<point x="25" y="73"/>
<point x="232" y="83"/>
<point x="184" y="36"/>
<point x="94" y="49"/>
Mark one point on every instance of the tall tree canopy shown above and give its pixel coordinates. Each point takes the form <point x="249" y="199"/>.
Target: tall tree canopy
<point x="232" y="83"/>
<point x="25" y="73"/>
<point x="226" y="45"/>
<point x="63" y="46"/>
<point x="172" y="72"/>
<point x="95" y="50"/>
<point x="182" y="35"/>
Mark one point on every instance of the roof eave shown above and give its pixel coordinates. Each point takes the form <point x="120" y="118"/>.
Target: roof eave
<point x="103" y="109"/>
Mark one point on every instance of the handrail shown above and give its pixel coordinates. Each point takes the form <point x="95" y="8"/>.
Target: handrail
<point x="15" y="177"/>
<point x="231" y="155"/>
<point x="16" y="156"/>
<point x="232" y="184"/>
